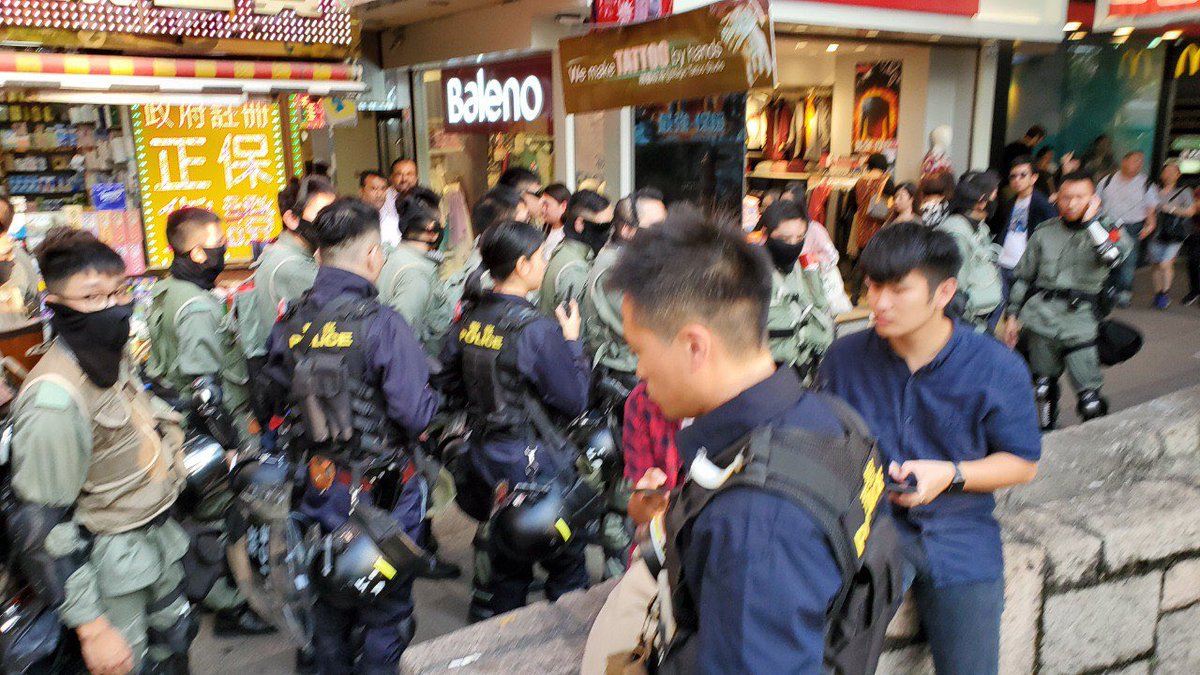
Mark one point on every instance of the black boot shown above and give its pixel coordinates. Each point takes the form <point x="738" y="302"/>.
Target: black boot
<point x="240" y="621"/>
<point x="1045" y="392"/>
<point x="306" y="661"/>
<point x="440" y="569"/>
<point x="1091" y="404"/>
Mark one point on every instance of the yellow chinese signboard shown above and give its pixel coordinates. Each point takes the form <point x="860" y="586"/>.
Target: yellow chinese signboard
<point x="228" y="159"/>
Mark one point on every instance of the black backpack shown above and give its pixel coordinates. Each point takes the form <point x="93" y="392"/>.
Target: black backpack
<point x="839" y="480"/>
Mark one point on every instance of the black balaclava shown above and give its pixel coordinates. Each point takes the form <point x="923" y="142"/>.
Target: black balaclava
<point x="97" y="338"/>
<point x="595" y="235"/>
<point x="203" y="274"/>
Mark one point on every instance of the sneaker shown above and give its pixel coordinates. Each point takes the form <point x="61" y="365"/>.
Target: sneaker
<point x="1191" y="298"/>
<point x="1161" y="301"/>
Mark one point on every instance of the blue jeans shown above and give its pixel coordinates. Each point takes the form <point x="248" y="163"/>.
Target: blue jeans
<point x="961" y="622"/>
<point x="1122" y="277"/>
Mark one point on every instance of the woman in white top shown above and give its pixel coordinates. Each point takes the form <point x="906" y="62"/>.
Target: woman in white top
<point x="1175" y="202"/>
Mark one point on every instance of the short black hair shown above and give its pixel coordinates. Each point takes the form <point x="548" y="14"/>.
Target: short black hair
<point x="7" y="217"/>
<point x="343" y="222"/>
<point x="425" y="196"/>
<point x="497" y="205"/>
<point x="1131" y="153"/>
<point x="695" y="268"/>
<point x="907" y="186"/>
<point x="296" y="195"/>
<point x="1042" y="152"/>
<point x="182" y="225"/>
<point x="65" y="252"/>
<point x="581" y="202"/>
<point x="556" y="191"/>
<point x="1036" y="131"/>
<point x="779" y="212"/>
<point x="902" y="248"/>
<point x="1022" y="160"/>
<point x="1077" y="175"/>
<point x="502" y="245"/>
<point x="369" y="173"/>
<point x="877" y="161"/>
<point x="938" y="184"/>
<point x="402" y="159"/>
<point x="416" y="220"/>
<point x="973" y="187"/>
<point x="517" y="176"/>
<point x="317" y="168"/>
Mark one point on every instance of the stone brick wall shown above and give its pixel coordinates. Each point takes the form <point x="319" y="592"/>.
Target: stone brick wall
<point x="1102" y="567"/>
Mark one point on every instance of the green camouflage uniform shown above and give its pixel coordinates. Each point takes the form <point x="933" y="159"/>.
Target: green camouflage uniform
<point x="799" y="323"/>
<point x="284" y="272"/>
<point x="113" y="455"/>
<point x="603" y="330"/>
<point x="979" y="277"/>
<point x="410" y="283"/>
<point x="1059" y="258"/>
<point x="566" y="275"/>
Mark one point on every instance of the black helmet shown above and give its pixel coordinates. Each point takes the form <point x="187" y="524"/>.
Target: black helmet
<point x="263" y="472"/>
<point x="602" y="451"/>
<point x="535" y="521"/>
<point x="207" y="471"/>
<point x="366" y="558"/>
<point x="33" y="640"/>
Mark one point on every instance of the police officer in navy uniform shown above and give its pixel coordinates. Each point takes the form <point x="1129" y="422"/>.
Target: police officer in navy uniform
<point x="340" y="332"/>
<point x="500" y="349"/>
<point x="753" y="573"/>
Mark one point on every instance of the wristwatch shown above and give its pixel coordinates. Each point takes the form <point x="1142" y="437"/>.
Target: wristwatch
<point x="958" y="482"/>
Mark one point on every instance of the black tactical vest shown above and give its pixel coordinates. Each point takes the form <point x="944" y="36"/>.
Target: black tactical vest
<point x="839" y="481"/>
<point x="487" y="334"/>
<point x="336" y="405"/>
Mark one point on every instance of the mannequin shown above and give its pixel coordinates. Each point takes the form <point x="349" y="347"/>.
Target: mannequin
<point x="937" y="160"/>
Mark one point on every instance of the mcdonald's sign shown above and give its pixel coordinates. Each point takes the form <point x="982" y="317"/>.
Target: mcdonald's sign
<point x="1189" y="61"/>
<point x="1135" y="59"/>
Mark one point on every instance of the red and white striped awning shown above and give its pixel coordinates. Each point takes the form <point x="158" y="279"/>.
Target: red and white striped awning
<point x="149" y="75"/>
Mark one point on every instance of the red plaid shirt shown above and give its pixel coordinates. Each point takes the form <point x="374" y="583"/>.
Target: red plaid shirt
<point x="649" y="439"/>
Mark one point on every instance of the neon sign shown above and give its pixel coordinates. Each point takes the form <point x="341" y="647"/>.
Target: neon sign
<point x="303" y="21"/>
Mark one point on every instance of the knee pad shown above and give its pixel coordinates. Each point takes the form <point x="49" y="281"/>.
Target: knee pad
<point x="1091" y="405"/>
<point x="1045" y="391"/>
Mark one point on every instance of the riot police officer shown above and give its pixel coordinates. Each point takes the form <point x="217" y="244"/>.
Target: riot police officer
<point x="96" y="471"/>
<point x="501" y="352"/>
<point x="192" y="354"/>
<point x="355" y="381"/>
<point x="1057" y="302"/>
<point x="410" y="281"/>
<point x="284" y="271"/>
<point x="980" y="289"/>
<point x="586" y="227"/>
<point x="799" y="322"/>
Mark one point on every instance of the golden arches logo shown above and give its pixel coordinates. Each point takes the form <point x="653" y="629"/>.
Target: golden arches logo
<point x="1136" y="58"/>
<point x="1189" y="61"/>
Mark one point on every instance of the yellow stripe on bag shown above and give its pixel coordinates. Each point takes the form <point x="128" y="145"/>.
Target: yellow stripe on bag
<point x="563" y="529"/>
<point x="385" y="568"/>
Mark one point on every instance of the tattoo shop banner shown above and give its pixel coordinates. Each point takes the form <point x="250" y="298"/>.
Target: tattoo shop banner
<point x="227" y="159"/>
<point x="725" y="47"/>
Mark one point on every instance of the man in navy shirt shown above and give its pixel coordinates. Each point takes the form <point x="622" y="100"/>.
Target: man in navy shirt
<point x="758" y="570"/>
<point x="954" y="413"/>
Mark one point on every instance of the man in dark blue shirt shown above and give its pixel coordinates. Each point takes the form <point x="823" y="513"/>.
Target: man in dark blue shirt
<point x="342" y="317"/>
<point x="953" y="412"/>
<point x="759" y="571"/>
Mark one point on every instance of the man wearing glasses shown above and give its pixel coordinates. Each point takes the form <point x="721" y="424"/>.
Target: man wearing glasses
<point x="96" y="470"/>
<point x="1018" y="216"/>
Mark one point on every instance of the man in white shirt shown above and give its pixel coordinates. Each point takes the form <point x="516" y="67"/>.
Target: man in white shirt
<point x="403" y="179"/>
<point x="1018" y="216"/>
<point x="1131" y="201"/>
<point x="554" y="204"/>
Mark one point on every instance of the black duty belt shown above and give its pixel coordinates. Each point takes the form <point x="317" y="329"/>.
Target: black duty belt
<point x="1072" y="296"/>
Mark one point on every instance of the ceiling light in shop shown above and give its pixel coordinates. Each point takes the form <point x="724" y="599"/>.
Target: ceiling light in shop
<point x="1123" y="31"/>
<point x="860" y="48"/>
<point x="1172" y="35"/>
<point x="1072" y="26"/>
<point x="1154" y="43"/>
<point x="1118" y="41"/>
<point x="1078" y="35"/>
<point x="833" y="47"/>
<point x="872" y="33"/>
<point x="802" y="44"/>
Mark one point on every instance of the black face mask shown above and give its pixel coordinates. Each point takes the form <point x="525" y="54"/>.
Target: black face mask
<point x="97" y="339"/>
<point x="1073" y="224"/>
<point x="202" y="274"/>
<point x="594" y="234"/>
<point x="784" y="255"/>
<point x="308" y="232"/>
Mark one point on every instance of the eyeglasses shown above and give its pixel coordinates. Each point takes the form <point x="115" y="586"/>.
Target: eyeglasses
<point x="1019" y="174"/>
<point x="96" y="302"/>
